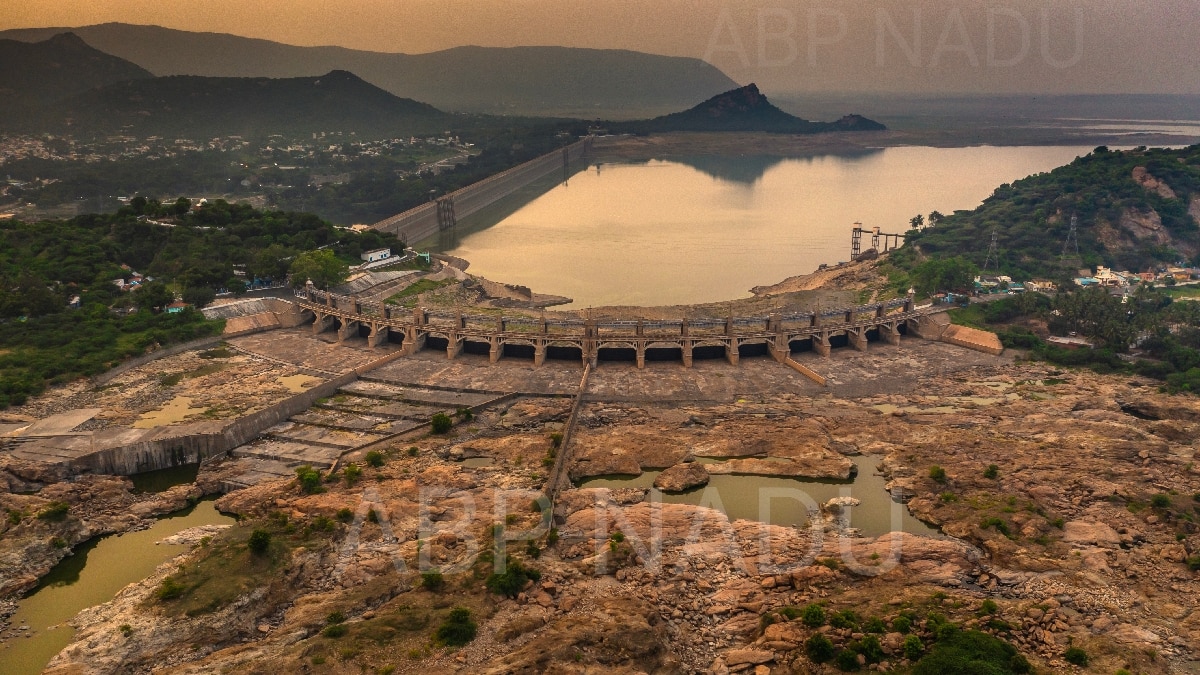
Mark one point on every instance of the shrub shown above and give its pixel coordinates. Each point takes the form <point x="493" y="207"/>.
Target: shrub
<point x="440" y="423"/>
<point x="937" y="473"/>
<point x="374" y="459"/>
<point x="845" y="619"/>
<point x="58" y="542"/>
<point x="913" y="648"/>
<point x="345" y="515"/>
<point x="309" y="479"/>
<point x="902" y="624"/>
<point x="336" y="630"/>
<point x="465" y="414"/>
<point x="818" y="648"/>
<point x="1160" y="501"/>
<point x="458" y="629"/>
<point x="259" y="542"/>
<point x="170" y="588"/>
<point x="874" y="625"/>
<point x="997" y="523"/>
<point x="433" y="580"/>
<point x="372" y="516"/>
<point x="323" y="524"/>
<point x="969" y="652"/>
<point x="989" y="606"/>
<point x="512" y="579"/>
<point x="352" y="472"/>
<point x="556" y="439"/>
<point x="1193" y="563"/>
<point x="992" y="472"/>
<point x="847" y="660"/>
<point x="813" y="616"/>
<point x="552" y="537"/>
<point x="871" y="649"/>
<point x="335" y="617"/>
<point x="54" y="511"/>
<point x="1076" y="656"/>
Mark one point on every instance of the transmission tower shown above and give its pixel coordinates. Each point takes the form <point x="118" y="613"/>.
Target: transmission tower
<point x="1070" y="253"/>
<point x="993" y="254"/>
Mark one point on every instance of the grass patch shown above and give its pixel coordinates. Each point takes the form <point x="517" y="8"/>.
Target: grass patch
<point x="240" y="560"/>
<point x="408" y="296"/>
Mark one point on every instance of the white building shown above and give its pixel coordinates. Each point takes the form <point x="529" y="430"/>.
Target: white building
<point x="377" y="255"/>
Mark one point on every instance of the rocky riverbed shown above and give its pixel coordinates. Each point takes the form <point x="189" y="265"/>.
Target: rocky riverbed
<point x="1069" y="500"/>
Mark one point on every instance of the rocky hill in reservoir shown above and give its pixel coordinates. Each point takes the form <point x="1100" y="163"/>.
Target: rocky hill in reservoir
<point x="744" y="109"/>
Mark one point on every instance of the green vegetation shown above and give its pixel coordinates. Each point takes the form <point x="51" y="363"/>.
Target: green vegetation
<point x="43" y="265"/>
<point x="1168" y="331"/>
<point x="992" y="472"/>
<point x="432" y="580"/>
<point x="259" y="542"/>
<point x="1076" y="656"/>
<point x="309" y="480"/>
<point x="351" y="473"/>
<point x="458" y="629"/>
<point x="1032" y="216"/>
<point x="819" y="648"/>
<point x="937" y="473"/>
<point x="440" y="423"/>
<point x="1160" y="501"/>
<point x="322" y="267"/>
<point x="374" y="459"/>
<point x="407" y="296"/>
<point x="512" y="579"/>
<point x="971" y="652"/>
<point x="55" y="511"/>
<point x="813" y="615"/>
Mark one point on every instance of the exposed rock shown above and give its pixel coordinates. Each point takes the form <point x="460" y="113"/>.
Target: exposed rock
<point x="682" y="477"/>
<point x="1082" y="532"/>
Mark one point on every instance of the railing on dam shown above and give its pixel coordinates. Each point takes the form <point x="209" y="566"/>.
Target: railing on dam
<point x="888" y="320"/>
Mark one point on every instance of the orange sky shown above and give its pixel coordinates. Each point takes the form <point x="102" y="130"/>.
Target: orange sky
<point x="1046" y="45"/>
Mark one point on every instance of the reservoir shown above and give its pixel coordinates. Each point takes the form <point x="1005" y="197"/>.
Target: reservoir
<point x="709" y="228"/>
<point x="92" y="575"/>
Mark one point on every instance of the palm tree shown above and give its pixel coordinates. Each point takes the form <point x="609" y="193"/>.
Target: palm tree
<point x="917" y="221"/>
<point x="935" y="217"/>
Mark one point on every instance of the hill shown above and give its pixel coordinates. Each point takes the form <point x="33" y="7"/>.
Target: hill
<point x="196" y="107"/>
<point x="557" y="81"/>
<point x="1136" y="210"/>
<point x="744" y="109"/>
<point x="43" y="72"/>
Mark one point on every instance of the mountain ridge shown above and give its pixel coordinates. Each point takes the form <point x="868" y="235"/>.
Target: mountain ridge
<point x="543" y="81"/>
<point x="38" y="73"/>
<point x="196" y="106"/>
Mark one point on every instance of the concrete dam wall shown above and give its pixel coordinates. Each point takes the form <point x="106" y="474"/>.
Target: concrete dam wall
<point x="428" y="219"/>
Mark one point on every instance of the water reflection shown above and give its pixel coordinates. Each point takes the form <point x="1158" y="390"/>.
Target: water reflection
<point x="705" y="229"/>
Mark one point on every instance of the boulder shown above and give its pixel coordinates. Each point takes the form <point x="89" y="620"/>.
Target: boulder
<point x="1084" y="532"/>
<point x="682" y="477"/>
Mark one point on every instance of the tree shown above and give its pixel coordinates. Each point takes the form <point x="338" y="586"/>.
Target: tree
<point x="153" y="295"/>
<point x="917" y="221"/>
<point x="199" y="296"/>
<point x="944" y="274"/>
<point x="935" y="217"/>
<point x="181" y="206"/>
<point x="321" y="266"/>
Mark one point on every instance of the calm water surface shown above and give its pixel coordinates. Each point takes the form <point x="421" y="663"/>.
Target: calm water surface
<point x="710" y="228"/>
<point x="92" y="576"/>
<point x="787" y="501"/>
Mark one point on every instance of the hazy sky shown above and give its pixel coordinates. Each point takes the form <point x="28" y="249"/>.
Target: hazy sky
<point x="785" y="45"/>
